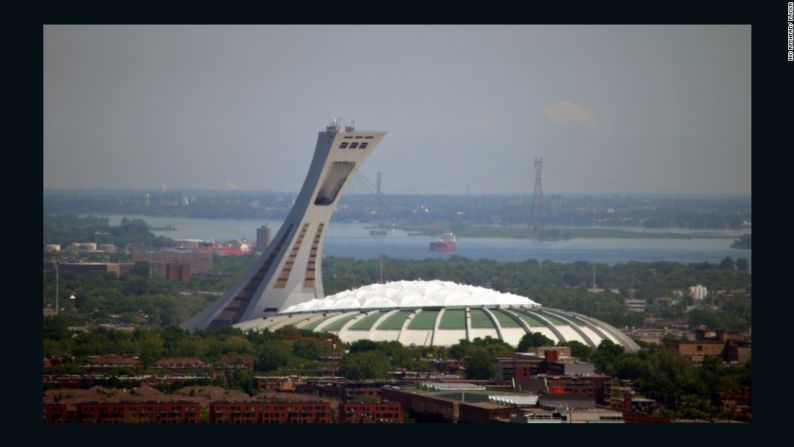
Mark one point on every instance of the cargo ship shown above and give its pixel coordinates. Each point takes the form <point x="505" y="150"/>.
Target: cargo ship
<point x="444" y="243"/>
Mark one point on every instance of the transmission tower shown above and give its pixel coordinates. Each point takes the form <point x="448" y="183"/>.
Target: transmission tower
<point x="536" y="220"/>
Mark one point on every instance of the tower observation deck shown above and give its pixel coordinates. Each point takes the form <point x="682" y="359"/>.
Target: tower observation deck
<point x="290" y="269"/>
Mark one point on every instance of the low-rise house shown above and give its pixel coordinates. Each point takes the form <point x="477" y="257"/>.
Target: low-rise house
<point x="179" y="364"/>
<point x="235" y="362"/>
<point x="109" y="362"/>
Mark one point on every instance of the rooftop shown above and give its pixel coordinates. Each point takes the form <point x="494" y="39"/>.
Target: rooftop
<point x="411" y="294"/>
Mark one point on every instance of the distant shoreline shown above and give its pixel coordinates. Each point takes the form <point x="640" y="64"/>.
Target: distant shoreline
<point x="560" y="233"/>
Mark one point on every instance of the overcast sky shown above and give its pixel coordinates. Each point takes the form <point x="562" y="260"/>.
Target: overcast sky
<point x="636" y="109"/>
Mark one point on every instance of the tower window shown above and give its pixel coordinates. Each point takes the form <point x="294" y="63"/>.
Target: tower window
<point x="363" y="145"/>
<point x="354" y="145"/>
<point x="333" y="182"/>
<point x="343" y="145"/>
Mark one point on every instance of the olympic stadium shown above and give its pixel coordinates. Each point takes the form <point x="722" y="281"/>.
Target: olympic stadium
<point x="284" y="286"/>
<point x="437" y="313"/>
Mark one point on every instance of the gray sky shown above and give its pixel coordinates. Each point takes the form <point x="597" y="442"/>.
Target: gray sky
<point x="638" y="109"/>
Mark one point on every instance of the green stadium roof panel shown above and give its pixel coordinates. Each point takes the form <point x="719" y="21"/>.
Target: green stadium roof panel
<point x="453" y="319"/>
<point x="425" y="319"/>
<point x="337" y="325"/>
<point x="366" y="323"/>
<point x="505" y="320"/>
<point x="395" y="322"/>
<point x="481" y="320"/>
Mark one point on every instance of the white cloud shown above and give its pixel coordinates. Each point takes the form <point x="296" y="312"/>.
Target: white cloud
<point x="567" y="112"/>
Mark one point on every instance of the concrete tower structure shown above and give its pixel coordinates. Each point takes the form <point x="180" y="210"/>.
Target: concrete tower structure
<point x="289" y="271"/>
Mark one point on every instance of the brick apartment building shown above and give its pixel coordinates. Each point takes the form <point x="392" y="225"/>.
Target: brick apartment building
<point x="235" y="362"/>
<point x="105" y="363"/>
<point x="138" y="413"/>
<point x="275" y="383"/>
<point x="430" y="407"/>
<point x="55" y="413"/>
<point x="592" y="386"/>
<point x="362" y="413"/>
<point x="270" y="413"/>
<point x="730" y="345"/>
<point x="178" y="273"/>
<point x="199" y="262"/>
<point x="484" y="412"/>
<point x="180" y="364"/>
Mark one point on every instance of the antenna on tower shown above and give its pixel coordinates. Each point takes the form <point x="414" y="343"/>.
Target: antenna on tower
<point x="536" y="220"/>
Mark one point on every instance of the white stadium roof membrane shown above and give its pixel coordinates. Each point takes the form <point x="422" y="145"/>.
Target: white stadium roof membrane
<point x="412" y="294"/>
<point x="437" y="313"/>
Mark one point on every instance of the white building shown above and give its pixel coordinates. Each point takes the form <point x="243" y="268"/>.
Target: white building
<point x="698" y="292"/>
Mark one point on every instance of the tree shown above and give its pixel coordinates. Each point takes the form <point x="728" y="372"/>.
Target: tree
<point x="141" y="268"/>
<point x="481" y="364"/>
<point x="578" y="349"/>
<point x="309" y="348"/>
<point x="56" y="328"/>
<point x="743" y="265"/>
<point x="363" y="346"/>
<point x="607" y="354"/>
<point x="364" y="365"/>
<point x="630" y="367"/>
<point x="272" y="356"/>
<point x="460" y="350"/>
<point x="533" y="340"/>
<point x="727" y="264"/>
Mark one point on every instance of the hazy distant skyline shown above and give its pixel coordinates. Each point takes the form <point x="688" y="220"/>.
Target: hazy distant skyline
<point x="629" y="109"/>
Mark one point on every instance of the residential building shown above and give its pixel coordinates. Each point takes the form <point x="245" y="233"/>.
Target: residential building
<point x="138" y="412"/>
<point x="179" y="273"/>
<point x="635" y="305"/>
<point x="484" y="412"/>
<point x="200" y="262"/>
<point x="263" y="237"/>
<point x="696" y="350"/>
<point x="379" y="412"/>
<point x="270" y="413"/>
<point x="180" y="364"/>
<point x="109" y="362"/>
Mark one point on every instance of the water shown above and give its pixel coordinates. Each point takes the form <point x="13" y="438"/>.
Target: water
<point x="354" y="240"/>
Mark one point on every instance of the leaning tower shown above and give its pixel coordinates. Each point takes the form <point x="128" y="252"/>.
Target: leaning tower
<point x="290" y="269"/>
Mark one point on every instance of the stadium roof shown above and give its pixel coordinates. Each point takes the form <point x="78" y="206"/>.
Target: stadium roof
<point x="437" y="313"/>
<point x="412" y="294"/>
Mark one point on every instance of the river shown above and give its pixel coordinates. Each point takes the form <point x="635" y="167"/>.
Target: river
<point x="353" y="240"/>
